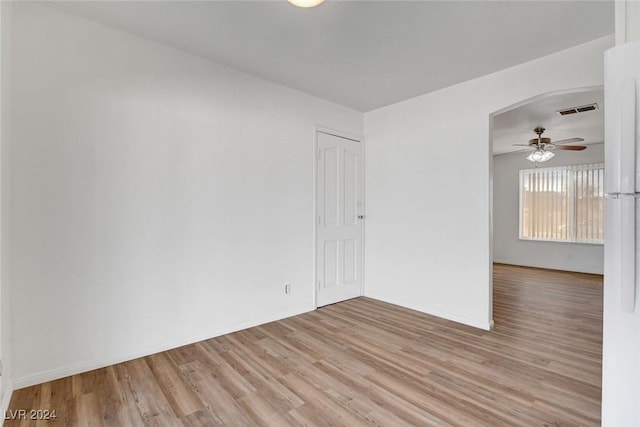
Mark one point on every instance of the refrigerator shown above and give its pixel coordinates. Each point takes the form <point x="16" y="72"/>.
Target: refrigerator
<point x="621" y="317"/>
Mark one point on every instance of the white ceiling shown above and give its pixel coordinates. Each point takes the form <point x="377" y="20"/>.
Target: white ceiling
<point x="362" y="54"/>
<point x="516" y="126"/>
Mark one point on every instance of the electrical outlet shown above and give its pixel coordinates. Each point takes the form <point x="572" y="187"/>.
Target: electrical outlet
<point x="287" y="289"/>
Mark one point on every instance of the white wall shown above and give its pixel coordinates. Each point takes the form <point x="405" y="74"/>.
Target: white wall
<point x="5" y="131"/>
<point x="157" y="198"/>
<point x="428" y="185"/>
<point x="507" y="248"/>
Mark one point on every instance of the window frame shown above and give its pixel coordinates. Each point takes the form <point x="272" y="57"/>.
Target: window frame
<point x="571" y="214"/>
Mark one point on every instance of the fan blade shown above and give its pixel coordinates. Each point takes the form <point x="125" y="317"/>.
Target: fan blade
<point x="570" y="147"/>
<point x="523" y="145"/>
<point x="567" y="141"/>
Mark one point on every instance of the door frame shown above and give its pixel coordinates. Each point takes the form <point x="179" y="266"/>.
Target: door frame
<point x="357" y="139"/>
<point x="491" y="117"/>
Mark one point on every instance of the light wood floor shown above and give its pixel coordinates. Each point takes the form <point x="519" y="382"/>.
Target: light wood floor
<point x="364" y="362"/>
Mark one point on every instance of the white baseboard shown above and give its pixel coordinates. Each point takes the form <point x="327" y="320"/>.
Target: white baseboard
<point x="571" y="268"/>
<point x="89" y="365"/>
<point x="487" y="326"/>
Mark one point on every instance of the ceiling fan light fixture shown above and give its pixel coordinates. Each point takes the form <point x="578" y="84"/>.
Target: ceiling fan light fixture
<point x="305" y="3"/>
<point x="539" y="156"/>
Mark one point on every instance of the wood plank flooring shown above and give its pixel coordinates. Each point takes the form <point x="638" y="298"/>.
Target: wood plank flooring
<point x="364" y="362"/>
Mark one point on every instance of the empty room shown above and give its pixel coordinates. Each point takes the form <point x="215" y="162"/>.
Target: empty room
<point x="308" y="212"/>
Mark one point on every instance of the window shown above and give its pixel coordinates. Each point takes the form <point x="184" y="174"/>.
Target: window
<point x="563" y="204"/>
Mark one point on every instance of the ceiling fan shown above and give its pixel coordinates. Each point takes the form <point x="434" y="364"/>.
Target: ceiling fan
<point x="541" y="146"/>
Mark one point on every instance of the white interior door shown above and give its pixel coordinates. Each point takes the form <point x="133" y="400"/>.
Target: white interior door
<point x="340" y="215"/>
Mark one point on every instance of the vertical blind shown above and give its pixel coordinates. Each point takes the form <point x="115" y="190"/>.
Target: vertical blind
<point x="563" y="204"/>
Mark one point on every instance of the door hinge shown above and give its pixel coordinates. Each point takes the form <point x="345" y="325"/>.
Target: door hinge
<point x="319" y="220"/>
<point x="318" y="154"/>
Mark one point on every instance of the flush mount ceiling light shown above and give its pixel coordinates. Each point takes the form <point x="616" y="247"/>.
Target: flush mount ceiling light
<point x="540" y="155"/>
<point x="305" y="3"/>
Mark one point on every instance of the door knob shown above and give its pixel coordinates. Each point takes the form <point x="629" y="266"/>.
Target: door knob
<point x="360" y="216"/>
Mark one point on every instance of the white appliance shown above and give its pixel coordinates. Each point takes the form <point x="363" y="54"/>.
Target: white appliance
<point x="621" y="327"/>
